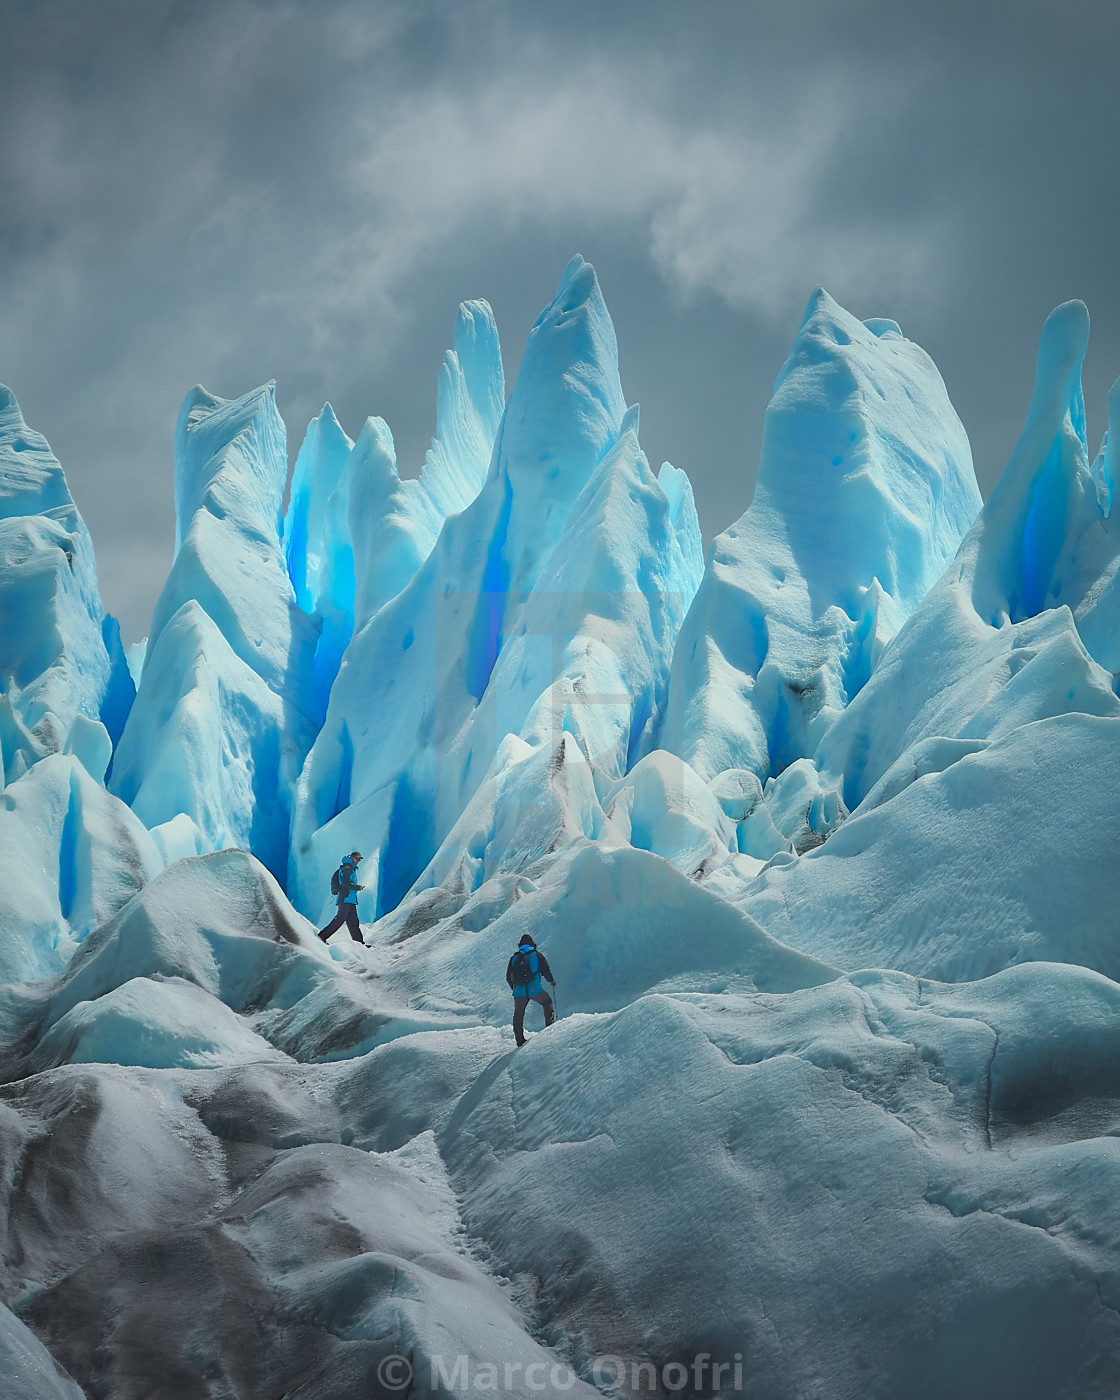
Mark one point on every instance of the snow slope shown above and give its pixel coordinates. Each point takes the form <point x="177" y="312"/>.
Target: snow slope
<point x="687" y="1172"/>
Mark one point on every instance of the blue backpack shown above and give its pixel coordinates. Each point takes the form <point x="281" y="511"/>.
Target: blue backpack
<point x="521" y="969"/>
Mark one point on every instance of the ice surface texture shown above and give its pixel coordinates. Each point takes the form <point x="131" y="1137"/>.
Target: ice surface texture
<point x="818" y="834"/>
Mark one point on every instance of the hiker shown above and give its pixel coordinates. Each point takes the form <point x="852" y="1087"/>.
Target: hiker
<point x="346" y="887"/>
<point x="524" y="973"/>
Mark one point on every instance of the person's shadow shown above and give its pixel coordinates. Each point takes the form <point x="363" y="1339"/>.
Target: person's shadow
<point x="472" y="1098"/>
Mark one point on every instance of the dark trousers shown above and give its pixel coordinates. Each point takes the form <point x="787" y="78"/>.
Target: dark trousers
<point x="348" y="915"/>
<point x="519" y="1005"/>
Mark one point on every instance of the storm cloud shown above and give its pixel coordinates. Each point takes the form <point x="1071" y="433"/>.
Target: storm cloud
<point x="239" y="191"/>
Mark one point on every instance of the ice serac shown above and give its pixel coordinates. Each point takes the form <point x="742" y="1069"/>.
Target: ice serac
<point x="355" y="532"/>
<point x="395" y="523"/>
<point x="470" y="400"/>
<point x="226" y="708"/>
<point x="587" y="651"/>
<point x="577" y="693"/>
<point x="1022" y="626"/>
<point x="217" y="758"/>
<point x="308" y="534"/>
<point x="60" y="656"/>
<point x="318" y="547"/>
<point x="976" y="828"/>
<point x="865" y="488"/>
<point x="230" y="468"/>
<point x="564" y="414"/>
<point x="548" y="607"/>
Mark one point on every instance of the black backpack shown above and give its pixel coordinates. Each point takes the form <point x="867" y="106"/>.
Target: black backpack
<point x="521" y="969"/>
<point x="336" y="881"/>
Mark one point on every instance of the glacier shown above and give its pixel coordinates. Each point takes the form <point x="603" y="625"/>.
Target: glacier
<point x="817" y="829"/>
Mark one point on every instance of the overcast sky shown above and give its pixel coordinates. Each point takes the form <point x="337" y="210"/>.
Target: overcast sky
<point x="231" y="192"/>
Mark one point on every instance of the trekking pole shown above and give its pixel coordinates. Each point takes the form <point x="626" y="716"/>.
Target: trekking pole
<point x="555" y="1002"/>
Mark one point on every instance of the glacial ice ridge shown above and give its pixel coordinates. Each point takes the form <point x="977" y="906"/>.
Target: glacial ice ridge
<point x="818" y="831"/>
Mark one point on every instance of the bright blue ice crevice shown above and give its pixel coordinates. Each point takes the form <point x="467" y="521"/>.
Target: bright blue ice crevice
<point x="485" y="640"/>
<point x="120" y="693"/>
<point x="68" y="862"/>
<point x="407" y="846"/>
<point x="1016" y="559"/>
<point x="865" y="488"/>
<point x="60" y="657"/>
<point x="226" y="708"/>
<point x="333" y="602"/>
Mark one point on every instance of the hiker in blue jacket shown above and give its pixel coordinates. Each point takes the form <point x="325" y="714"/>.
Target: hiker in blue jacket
<point x="345" y="885"/>
<point x="524" y="973"/>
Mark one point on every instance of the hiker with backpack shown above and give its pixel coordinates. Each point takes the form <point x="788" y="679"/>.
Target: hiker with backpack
<point x="524" y="972"/>
<point x="345" y="887"/>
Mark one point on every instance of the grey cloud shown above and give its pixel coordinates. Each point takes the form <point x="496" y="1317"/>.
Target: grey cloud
<point x="231" y="191"/>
